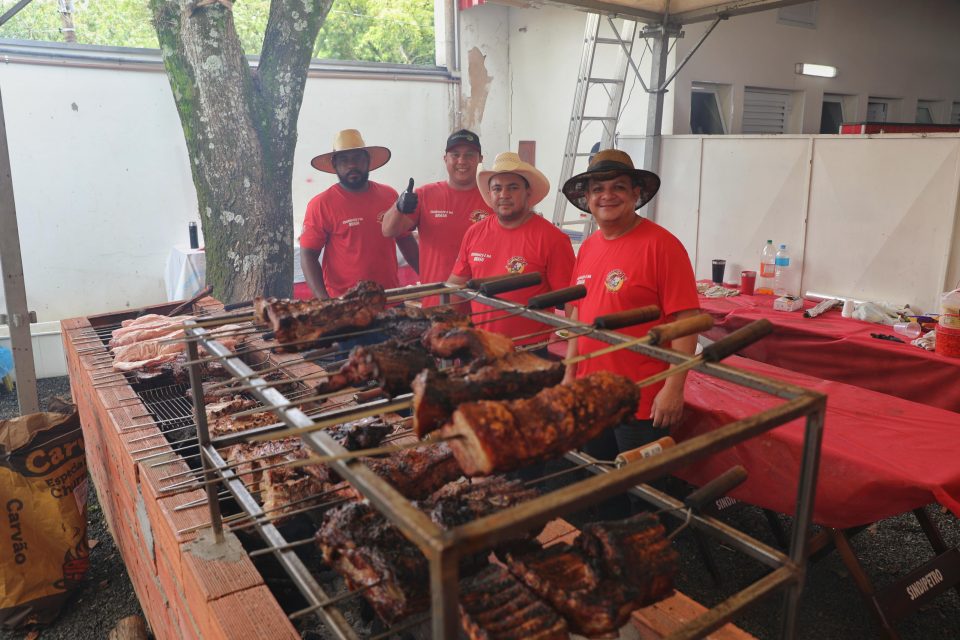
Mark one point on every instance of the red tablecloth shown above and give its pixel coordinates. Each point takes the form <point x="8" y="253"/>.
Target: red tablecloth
<point x="881" y="455"/>
<point x="840" y="349"/>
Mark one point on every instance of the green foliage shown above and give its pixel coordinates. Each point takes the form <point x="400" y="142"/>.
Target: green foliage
<point x="116" y="23"/>
<point x="399" y="31"/>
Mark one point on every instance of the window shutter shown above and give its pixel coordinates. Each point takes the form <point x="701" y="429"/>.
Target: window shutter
<point x="955" y="113"/>
<point x="765" y="111"/>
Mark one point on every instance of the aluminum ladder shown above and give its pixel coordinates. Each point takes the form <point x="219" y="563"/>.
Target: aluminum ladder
<point x="586" y="111"/>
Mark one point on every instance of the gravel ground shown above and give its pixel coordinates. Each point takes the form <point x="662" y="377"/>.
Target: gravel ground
<point x="832" y="608"/>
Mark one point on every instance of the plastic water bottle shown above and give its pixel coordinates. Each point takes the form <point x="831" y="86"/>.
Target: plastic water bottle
<point x="768" y="265"/>
<point x="782" y="280"/>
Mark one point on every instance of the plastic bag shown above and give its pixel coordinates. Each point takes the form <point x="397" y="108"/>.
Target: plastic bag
<point x="43" y="516"/>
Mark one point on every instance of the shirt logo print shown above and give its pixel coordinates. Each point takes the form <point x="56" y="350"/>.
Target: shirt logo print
<point x="614" y="280"/>
<point x="478" y="214"/>
<point x="516" y="264"/>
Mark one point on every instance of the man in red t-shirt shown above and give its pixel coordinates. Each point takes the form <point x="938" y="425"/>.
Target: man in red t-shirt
<point x="442" y="211"/>
<point x="344" y="222"/>
<point x="629" y="262"/>
<point x="515" y="240"/>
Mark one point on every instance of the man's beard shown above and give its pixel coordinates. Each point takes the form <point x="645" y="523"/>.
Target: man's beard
<point x="354" y="180"/>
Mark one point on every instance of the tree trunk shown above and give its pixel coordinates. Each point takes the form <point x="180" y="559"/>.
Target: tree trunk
<point x="240" y="127"/>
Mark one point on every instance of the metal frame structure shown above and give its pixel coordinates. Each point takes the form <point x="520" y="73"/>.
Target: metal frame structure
<point x="444" y="548"/>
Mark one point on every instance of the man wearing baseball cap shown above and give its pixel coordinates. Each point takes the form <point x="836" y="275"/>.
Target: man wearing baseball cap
<point x="344" y="222"/>
<point x="514" y="240"/>
<point x="629" y="262"/>
<point x="442" y="211"/>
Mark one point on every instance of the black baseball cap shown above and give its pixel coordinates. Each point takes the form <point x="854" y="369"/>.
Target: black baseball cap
<point x="463" y="136"/>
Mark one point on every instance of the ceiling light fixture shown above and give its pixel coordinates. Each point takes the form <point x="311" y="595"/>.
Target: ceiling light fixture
<point x="820" y="70"/>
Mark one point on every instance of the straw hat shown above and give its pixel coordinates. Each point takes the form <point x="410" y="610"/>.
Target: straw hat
<point x="605" y="165"/>
<point x="511" y="163"/>
<point x="345" y="141"/>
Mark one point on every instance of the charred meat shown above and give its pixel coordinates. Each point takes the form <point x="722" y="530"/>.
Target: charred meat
<point x="306" y="320"/>
<point x="610" y="570"/>
<point x="495" y="606"/>
<point x="454" y="341"/>
<point x="410" y="323"/>
<point x="497" y="436"/>
<point x="392" y="364"/>
<point x="436" y="394"/>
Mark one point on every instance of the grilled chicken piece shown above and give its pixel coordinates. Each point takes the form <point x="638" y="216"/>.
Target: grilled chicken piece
<point x="506" y="435"/>
<point x="453" y="341"/>
<point x="495" y="606"/>
<point x="304" y="320"/>
<point x="436" y="394"/>
<point x="393" y="364"/>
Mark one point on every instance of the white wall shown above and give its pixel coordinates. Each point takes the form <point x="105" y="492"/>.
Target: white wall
<point x="866" y="217"/>
<point x="102" y="182"/>
<point x="881" y="48"/>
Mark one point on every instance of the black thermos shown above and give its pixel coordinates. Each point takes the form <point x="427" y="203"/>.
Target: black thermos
<point x="194" y="241"/>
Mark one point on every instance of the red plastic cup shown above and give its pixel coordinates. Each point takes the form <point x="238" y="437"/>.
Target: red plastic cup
<point x="748" y="279"/>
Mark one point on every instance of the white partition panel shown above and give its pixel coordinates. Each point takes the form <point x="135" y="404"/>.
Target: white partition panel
<point x="678" y="202"/>
<point x="881" y="218"/>
<point x="752" y="189"/>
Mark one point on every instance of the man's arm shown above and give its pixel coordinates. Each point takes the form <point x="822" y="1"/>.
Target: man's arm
<point x="313" y="272"/>
<point x="411" y="251"/>
<point x="573" y="313"/>
<point x="668" y="405"/>
<point x="395" y="223"/>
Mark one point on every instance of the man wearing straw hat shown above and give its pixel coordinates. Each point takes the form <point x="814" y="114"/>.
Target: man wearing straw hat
<point x="629" y="262"/>
<point x="514" y="240"/>
<point x="344" y="222"/>
<point x="442" y="211"/>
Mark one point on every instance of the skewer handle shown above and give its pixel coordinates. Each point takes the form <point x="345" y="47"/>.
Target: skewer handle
<point x="679" y="328"/>
<point x="556" y="298"/>
<point x="719" y="486"/>
<point x="627" y="318"/>
<point x="511" y="283"/>
<point x="743" y="337"/>
<point x="237" y="305"/>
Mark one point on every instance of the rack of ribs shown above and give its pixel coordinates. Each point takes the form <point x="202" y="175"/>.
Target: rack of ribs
<point x="456" y="341"/>
<point x="496" y="436"/>
<point x="581" y="583"/>
<point x="462" y="501"/>
<point x="416" y="473"/>
<point x="392" y="364"/>
<point x="495" y="606"/>
<point x="304" y="320"/>
<point x="437" y="394"/>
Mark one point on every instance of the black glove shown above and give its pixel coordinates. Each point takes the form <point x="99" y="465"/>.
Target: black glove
<point x="407" y="202"/>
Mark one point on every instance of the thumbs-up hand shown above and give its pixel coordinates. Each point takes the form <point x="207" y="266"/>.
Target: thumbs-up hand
<point x="407" y="202"/>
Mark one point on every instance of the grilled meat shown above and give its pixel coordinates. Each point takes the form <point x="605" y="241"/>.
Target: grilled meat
<point x="410" y="323"/>
<point x="495" y="606"/>
<point x="610" y="570"/>
<point x="303" y="320"/>
<point x="360" y="434"/>
<point x="227" y="405"/>
<point x="633" y="550"/>
<point x="506" y="435"/>
<point x="454" y="341"/>
<point x="147" y="350"/>
<point x="146" y="327"/>
<point x="436" y="394"/>
<point x="459" y="502"/>
<point x="393" y="364"/>
<point x="233" y="424"/>
<point x="416" y="473"/>
<point x="368" y="551"/>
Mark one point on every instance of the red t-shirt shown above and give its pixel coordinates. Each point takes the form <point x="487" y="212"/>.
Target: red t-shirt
<point x="646" y="266"/>
<point x="443" y="216"/>
<point x="346" y="225"/>
<point x="489" y="249"/>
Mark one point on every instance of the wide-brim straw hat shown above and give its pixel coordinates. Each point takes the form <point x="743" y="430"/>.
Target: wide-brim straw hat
<point x="510" y="162"/>
<point x="347" y="140"/>
<point x="606" y="165"/>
